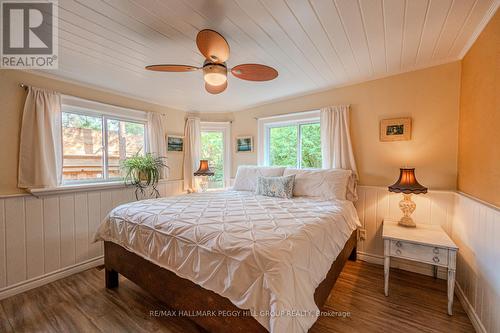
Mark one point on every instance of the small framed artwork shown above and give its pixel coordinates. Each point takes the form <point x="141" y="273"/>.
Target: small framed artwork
<point x="175" y="143"/>
<point x="244" y="144"/>
<point x="395" y="129"/>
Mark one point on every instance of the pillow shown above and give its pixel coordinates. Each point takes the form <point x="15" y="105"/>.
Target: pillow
<point x="246" y="176"/>
<point x="280" y="187"/>
<point x="323" y="183"/>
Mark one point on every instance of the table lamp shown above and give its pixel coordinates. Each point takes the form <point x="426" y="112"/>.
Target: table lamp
<point x="408" y="185"/>
<point x="204" y="172"/>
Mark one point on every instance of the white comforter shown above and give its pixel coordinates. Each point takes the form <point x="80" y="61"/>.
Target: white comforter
<point x="264" y="254"/>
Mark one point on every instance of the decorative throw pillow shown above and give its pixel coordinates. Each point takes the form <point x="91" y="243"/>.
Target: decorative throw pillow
<point x="281" y="187"/>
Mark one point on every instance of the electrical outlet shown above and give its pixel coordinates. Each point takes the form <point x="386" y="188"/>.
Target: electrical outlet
<point x="362" y="234"/>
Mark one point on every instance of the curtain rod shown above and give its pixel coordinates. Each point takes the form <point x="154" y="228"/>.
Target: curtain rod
<point x="25" y="86"/>
<point x="295" y="113"/>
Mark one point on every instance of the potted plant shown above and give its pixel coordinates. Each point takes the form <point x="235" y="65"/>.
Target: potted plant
<point x="143" y="172"/>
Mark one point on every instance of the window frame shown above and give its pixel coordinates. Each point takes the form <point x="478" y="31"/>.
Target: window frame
<point x="294" y="119"/>
<point x="225" y="128"/>
<point x="83" y="107"/>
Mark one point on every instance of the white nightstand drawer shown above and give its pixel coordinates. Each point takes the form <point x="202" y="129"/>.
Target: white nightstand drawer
<point x="430" y="254"/>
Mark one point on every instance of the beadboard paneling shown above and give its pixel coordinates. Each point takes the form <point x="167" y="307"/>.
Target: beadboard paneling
<point x="34" y="237"/>
<point x="94" y="211"/>
<point x="82" y="222"/>
<point x="44" y="236"/>
<point x="15" y="240"/>
<point x="41" y="238"/>
<point x="476" y="228"/>
<point x="376" y="203"/>
<point x="67" y="225"/>
<point x="51" y="231"/>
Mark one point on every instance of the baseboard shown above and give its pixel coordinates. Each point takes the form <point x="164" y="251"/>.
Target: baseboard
<point x="469" y="309"/>
<point x="50" y="277"/>
<point x="371" y="258"/>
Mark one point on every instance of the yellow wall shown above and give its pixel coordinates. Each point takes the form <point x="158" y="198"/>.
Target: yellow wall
<point x="11" y="105"/>
<point x="479" y="126"/>
<point x="430" y="96"/>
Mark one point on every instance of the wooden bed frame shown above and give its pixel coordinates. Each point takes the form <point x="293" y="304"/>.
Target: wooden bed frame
<point x="183" y="295"/>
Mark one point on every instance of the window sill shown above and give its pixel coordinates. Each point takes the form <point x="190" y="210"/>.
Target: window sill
<point x="71" y="188"/>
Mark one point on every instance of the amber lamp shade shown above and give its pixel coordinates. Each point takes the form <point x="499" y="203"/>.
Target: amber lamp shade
<point x="408" y="185"/>
<point x="204" y="170"/>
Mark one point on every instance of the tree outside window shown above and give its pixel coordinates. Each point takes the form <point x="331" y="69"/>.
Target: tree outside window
<point x="212" y="149"/>
<point x="84" y="145"/>
<point x="296" y="145"/>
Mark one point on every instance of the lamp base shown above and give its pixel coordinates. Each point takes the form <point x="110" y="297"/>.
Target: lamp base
<point x="203" y="183"/>
<point x="407" y="222"/>
<point x="407" y="206"/>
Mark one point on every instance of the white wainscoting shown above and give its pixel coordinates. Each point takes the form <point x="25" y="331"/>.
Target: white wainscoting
<point x="476" y="230"/>
<point x="48" y="237"/>
<point x="473" y="225"/>
<point x="376" y="203"/>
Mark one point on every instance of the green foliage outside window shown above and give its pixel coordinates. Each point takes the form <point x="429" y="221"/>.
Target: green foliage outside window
<point x="212" y="149"/>
<point x="311" y="146"/>
<point x="283" y="145"/>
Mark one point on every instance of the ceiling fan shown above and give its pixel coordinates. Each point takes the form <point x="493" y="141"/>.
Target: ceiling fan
<point x="215" y="49"/>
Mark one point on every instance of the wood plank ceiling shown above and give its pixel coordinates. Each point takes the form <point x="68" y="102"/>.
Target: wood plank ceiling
<point x="314" y="44"/>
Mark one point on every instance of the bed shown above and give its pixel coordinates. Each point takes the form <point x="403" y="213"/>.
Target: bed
<point x="231" y="260"/>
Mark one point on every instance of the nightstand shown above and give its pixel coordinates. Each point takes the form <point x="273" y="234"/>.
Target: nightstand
<point x="426" y="243"/>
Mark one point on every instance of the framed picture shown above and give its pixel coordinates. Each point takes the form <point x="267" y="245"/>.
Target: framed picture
<point x="395" y="129"/>
<point x="175" y="143"/>
<point x="244" y="144"/>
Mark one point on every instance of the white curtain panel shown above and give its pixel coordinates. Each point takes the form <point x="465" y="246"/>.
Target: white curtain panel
<point x="192" y="139"/>
<point x="40" y="147"/>
<point x="336" y="146"/>
<point x="157" y="137"/>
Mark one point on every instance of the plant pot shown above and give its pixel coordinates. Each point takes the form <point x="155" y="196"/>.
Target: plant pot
<point x="142" y="176"/>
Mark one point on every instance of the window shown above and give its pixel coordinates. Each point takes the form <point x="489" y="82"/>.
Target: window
<point x="215" y="148"/>
<point x="82" y="147"/>
<point x="310" y="145"/>
<point x="95" y="140"/>
<point x="212" y="149"/>
<point x="125" y="139"/>
<point x="283" y="146"/>
<point x="291" y="140"/>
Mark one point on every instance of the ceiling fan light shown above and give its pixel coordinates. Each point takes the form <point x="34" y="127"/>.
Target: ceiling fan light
<point x="215" y="75"/>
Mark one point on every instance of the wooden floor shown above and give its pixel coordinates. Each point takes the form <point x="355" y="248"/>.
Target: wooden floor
<point x="80" y="303"/>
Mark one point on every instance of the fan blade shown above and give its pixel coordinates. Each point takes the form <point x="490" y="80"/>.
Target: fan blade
<point x="212" y="45"/>
<point x="215" y="89"/>
<point x="171" y="68"/>
<point x="254" y="72"/>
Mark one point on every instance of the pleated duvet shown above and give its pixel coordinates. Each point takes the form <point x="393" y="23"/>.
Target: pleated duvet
<point x="264" y="254"/>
